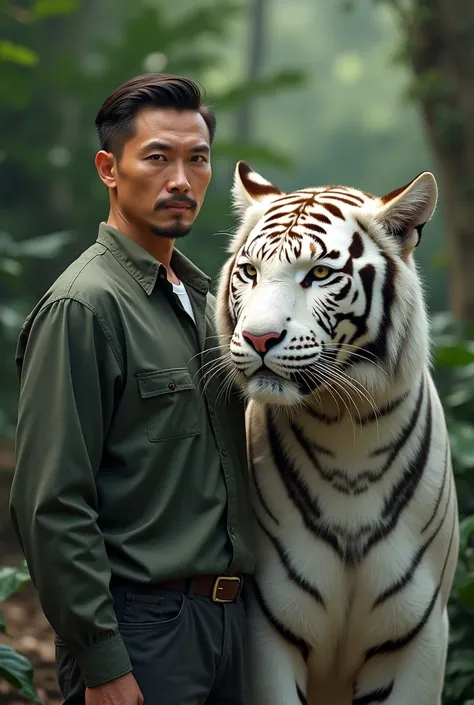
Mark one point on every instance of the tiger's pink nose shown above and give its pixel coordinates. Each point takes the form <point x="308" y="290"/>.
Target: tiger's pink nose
<point x="263" y="343"/>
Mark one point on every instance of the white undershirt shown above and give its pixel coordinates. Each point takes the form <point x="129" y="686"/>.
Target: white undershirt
<point x="180" y="290"/>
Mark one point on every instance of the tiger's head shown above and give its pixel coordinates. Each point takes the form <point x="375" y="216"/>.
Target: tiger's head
<point x="321" y="291"/>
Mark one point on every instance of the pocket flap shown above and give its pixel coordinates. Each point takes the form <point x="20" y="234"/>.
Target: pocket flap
<point x="156" y="382"/>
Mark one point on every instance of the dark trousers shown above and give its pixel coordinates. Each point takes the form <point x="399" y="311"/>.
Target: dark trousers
<point x="185" y="649"/>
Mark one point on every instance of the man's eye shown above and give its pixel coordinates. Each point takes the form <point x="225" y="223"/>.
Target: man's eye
<point x="198" y="157"/>
<point x="155" y="157"/>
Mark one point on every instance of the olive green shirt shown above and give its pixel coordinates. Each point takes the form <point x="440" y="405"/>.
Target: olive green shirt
<point x="130" y="456"/>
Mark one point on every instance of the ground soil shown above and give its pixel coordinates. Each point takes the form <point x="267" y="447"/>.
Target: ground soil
<point x="28" y="631"/>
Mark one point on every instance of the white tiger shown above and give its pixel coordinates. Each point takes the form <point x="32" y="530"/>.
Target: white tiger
<point x="324" y="328"/>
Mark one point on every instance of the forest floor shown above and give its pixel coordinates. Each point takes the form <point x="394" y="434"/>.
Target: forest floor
<point x="27" y="629"/>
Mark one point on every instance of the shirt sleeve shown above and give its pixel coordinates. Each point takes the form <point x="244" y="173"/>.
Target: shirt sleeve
<point x="68" y="385"/>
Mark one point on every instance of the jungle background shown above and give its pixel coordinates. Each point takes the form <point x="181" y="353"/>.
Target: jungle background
<point x="363" y="92"/>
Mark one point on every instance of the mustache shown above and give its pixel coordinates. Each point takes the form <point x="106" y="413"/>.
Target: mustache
<point x="164" y="202"/>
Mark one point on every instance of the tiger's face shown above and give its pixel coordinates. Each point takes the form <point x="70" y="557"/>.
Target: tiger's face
<point x="321" y="292"/>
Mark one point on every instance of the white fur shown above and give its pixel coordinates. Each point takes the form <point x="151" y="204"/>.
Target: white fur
<point x="341" y="632"/>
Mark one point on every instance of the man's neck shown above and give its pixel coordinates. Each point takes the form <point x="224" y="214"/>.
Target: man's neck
<point x="161" y="248"/>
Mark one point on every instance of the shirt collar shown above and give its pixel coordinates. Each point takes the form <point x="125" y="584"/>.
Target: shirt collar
<point x="144" y="268"/>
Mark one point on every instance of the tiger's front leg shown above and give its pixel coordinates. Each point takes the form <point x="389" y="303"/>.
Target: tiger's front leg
<point x="278" y="667"/>
<point x="412" y="676"/>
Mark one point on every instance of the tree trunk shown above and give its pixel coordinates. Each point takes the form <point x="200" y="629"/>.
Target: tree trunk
<point x="440" y="46"/>
<point x="256" y="53"/>
<point x="68" y="36"/>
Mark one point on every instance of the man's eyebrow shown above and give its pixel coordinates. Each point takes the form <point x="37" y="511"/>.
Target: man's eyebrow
<point x="203" y="147"/>
<point x="160" y="146"/>
<point x="165" y="147"/>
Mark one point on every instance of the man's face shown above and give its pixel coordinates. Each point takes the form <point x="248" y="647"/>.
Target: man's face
<point x="164" y="170"/>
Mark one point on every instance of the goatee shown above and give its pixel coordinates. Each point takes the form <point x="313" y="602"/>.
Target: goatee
<point x="177" y="230"/>
<point x="173" y="233"/>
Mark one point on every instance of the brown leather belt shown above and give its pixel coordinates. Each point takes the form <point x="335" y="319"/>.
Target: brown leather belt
<point x="222" y="588"/>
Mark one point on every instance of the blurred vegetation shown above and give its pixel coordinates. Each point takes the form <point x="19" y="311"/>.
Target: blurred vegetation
<point x="454" y="376"/>
<point x="323" y="103"/>
<point x="15" y="668"/>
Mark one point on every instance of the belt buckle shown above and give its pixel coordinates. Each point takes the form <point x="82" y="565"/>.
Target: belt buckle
<point x="215" y="597"/>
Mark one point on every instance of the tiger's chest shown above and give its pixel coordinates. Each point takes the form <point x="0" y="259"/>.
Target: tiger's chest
<point x="350" y="536"/>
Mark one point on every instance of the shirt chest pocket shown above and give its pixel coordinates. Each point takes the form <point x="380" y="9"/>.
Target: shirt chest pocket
<point x="169" y="401"/>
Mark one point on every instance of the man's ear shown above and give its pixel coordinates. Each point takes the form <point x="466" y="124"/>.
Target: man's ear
<point x="105" y="165"/>
<point x="405" y="211"/>
<point x="250" y="188"/>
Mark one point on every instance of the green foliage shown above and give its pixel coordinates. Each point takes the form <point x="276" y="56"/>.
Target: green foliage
<point x="236" y="95"/>
<point x="13" y="579"/>
<point x="12" y="252"/>
<point x="15" y="256"/>
<point x="17" y="54"/>
<point x="454" y="358"/>
<point x="15" y="668"/>
<point x="43" y="9"/>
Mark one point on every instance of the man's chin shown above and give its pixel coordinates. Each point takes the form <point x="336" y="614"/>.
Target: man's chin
<point x="173" y="232"/>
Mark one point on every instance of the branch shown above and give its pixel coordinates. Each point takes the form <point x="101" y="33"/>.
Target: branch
<point x="405" y="13"/>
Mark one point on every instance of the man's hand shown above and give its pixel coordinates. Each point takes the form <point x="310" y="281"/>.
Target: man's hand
<point x="120" y="691"/>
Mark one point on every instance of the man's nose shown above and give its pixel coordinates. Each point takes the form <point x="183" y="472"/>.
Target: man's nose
<point x="178" y="180"/>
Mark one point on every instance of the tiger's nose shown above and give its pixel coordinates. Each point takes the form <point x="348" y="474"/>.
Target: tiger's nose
<point x="263" y="343"/>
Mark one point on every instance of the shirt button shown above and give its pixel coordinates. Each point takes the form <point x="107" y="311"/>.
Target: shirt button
<point x="162" y="276"/>
<point x="224" y="453"/>
<point x="172" y="385"/>
<point x="232" y="530"/>
<point x="211" y="409"/>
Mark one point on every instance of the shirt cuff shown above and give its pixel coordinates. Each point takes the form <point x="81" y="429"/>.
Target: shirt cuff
<point x="103" y="662"/>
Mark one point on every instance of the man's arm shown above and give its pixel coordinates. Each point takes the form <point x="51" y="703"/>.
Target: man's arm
<point x="67" y="389"/>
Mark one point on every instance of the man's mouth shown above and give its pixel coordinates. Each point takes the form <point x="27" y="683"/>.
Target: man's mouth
<point x="177" y="207"/>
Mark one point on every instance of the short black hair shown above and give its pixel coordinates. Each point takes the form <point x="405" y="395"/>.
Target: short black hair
<point x="115" y="120"/>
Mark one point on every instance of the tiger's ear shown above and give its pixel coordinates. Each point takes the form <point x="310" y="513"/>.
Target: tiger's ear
<point x="250" y="188"/>
<point x="406" y="210"/>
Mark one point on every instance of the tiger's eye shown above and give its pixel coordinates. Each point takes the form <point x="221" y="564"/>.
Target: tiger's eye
<point x="250" y="271"/>
<point x="320" y="272"/>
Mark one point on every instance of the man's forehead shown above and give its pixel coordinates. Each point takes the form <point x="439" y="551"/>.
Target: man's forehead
<point x="184" y="127"/>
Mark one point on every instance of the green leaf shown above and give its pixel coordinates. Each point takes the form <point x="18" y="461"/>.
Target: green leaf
<point x="17" y="54"/>
<point x="51" y="8"/>
<point x="3" y="626"/>
<point x="465" y="595"/>
<point x="460" y="686"/>
<point x="270" y="85"/>
<point x="461" y="435"/>
<point x="11" y="318"/>
<point x="201" y="20"/>
<point x="13" y="579"/>
<point x="7" y="244"/>
<point x="454" y="356"/>
<point x="461" y="662"/>
<point x="44" y="246"/>
<point x="18" y="670"/>
<point x="10" y="266"/>
<point x="466" y="530"/>
<point x="233" y="150"/>
<point x="347" y="6"/>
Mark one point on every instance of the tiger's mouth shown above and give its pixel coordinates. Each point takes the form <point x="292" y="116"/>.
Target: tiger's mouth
<point x="265" y="376"/>
<point x="266" y="386"/>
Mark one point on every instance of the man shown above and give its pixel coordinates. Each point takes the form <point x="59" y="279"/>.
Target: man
<point x="129" y="496"/>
